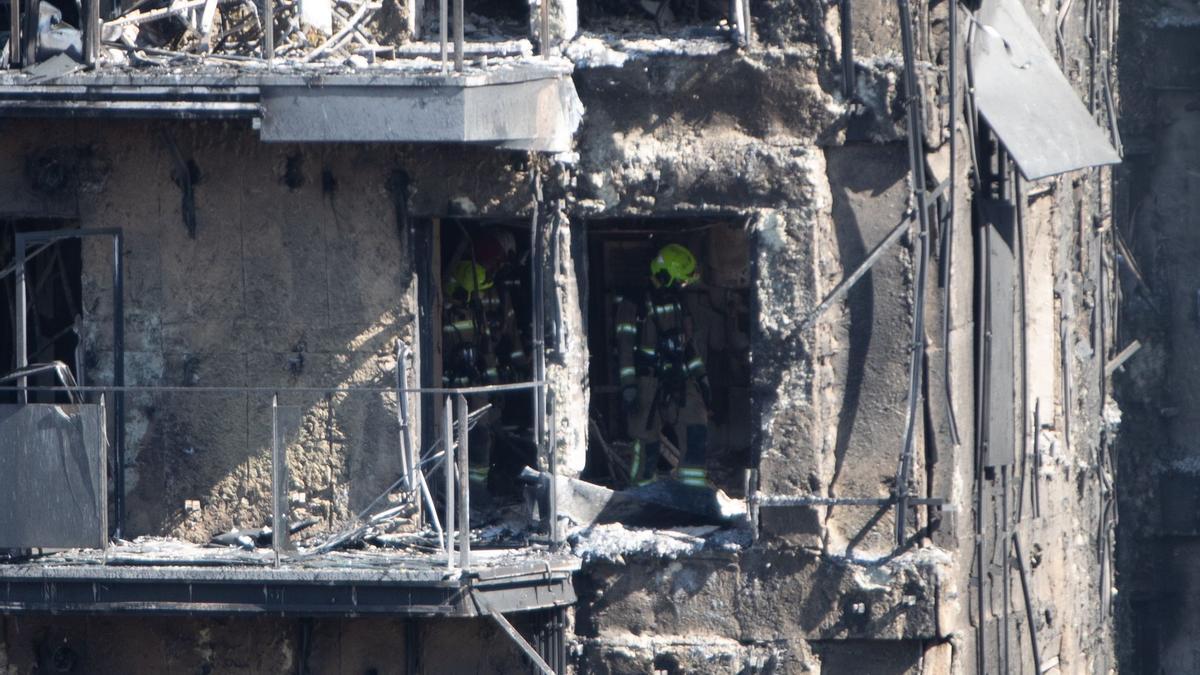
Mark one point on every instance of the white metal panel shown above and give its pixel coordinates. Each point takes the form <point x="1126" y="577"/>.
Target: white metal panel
<point x="1027" y="100"/>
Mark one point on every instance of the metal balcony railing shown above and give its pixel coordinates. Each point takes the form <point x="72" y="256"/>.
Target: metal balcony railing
<point x="448" y="453"/>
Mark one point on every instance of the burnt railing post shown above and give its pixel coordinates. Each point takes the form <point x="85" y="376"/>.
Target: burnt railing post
<point x="464" y="493"/>
<point x="448" y="466"/>
<point x="459" y="41"/>
<point x="279" y="525"/>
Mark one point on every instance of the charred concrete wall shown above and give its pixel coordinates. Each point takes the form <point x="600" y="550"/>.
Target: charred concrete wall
<point x="300" y="257"/>
<point x="767" y="133"/>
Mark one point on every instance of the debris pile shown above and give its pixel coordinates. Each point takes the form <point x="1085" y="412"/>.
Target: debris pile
<point x="233" y="31"/>
<point x="257" y="538"/>
<point x="613" y="542"/>
<point x="306" y="34"/>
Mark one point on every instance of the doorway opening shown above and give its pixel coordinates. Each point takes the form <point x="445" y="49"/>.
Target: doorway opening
<point x="685" y="417"/>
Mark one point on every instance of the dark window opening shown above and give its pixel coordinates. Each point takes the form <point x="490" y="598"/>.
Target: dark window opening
<point x="485" y="20"/>
<point x="656" y="426"/>
<point x="53" y="300"/>
<point x="484" y="338"/>
<point x="677" y="18"/>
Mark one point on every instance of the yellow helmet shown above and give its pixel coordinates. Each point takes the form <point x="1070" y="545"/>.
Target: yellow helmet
<point x="469" y="277"/>
<point x="674" y="264"/>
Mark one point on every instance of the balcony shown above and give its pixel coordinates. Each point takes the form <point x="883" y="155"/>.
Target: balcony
<point x="322" y="74"/>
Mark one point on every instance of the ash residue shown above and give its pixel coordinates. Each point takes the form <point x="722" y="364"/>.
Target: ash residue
<point x="614" y="542"/>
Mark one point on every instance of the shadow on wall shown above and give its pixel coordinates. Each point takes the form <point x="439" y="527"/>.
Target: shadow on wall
<point x="859" y="178"/>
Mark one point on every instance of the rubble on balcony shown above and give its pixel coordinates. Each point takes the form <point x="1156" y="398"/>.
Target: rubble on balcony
<point x="230" y="32"/>
<point x="308" y="35"/>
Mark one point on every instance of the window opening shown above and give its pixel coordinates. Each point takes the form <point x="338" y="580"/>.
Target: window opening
<point x="670" y="369"/>
<point x="54" y="289"/>
<point x="485" y="334"/>
<point x="676" y="18"/>
<point x="485" y="21"/>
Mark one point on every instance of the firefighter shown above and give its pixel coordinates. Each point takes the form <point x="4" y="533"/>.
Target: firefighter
<point x="664" y="384"/>
<point x="481" y="345"/>
<point x="496" y="252"/>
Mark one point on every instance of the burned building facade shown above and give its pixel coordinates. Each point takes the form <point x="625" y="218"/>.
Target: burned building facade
<point x="241" y="244"/>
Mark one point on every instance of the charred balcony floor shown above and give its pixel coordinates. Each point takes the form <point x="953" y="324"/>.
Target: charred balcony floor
<point x="512" y="101"/>
<point x="154" y="575"/>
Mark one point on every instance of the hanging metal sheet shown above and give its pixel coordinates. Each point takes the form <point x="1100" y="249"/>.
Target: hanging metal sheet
<point x="53" y="487"/>
<point x="1027" y="100"/>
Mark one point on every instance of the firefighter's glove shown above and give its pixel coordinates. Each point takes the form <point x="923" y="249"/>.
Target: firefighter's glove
<point x="629" y="397"/>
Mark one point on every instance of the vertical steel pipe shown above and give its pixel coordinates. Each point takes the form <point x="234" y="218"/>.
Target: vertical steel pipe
<point x="22" y="329"/>
<point x="448" y="465"/>
<point x="948" y="229"/>
<point x="102" y="478"/>
<point x="553" y="461"/>
<point x="443" y="28"/>
<point x="849" y="79"/>
<point x="407" y="460"/>
<point x="119" y="378"/>
<point x="269" y="31"/>
<point x="464" y="495"/>
<point x="459" y="20"/>
<point x="14" y="35"/>
<point x="537" y="270"/>
<point x="29" y="43"/>
<point x="536" y="301"/>
<point x="91" y="33"/>
<point x="279" y="528"/>
<point x="544" y="27"/>
<point x="916" y="148"/>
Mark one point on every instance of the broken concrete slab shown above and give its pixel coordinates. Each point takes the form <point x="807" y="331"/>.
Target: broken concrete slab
<point x="538" y="114"/>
